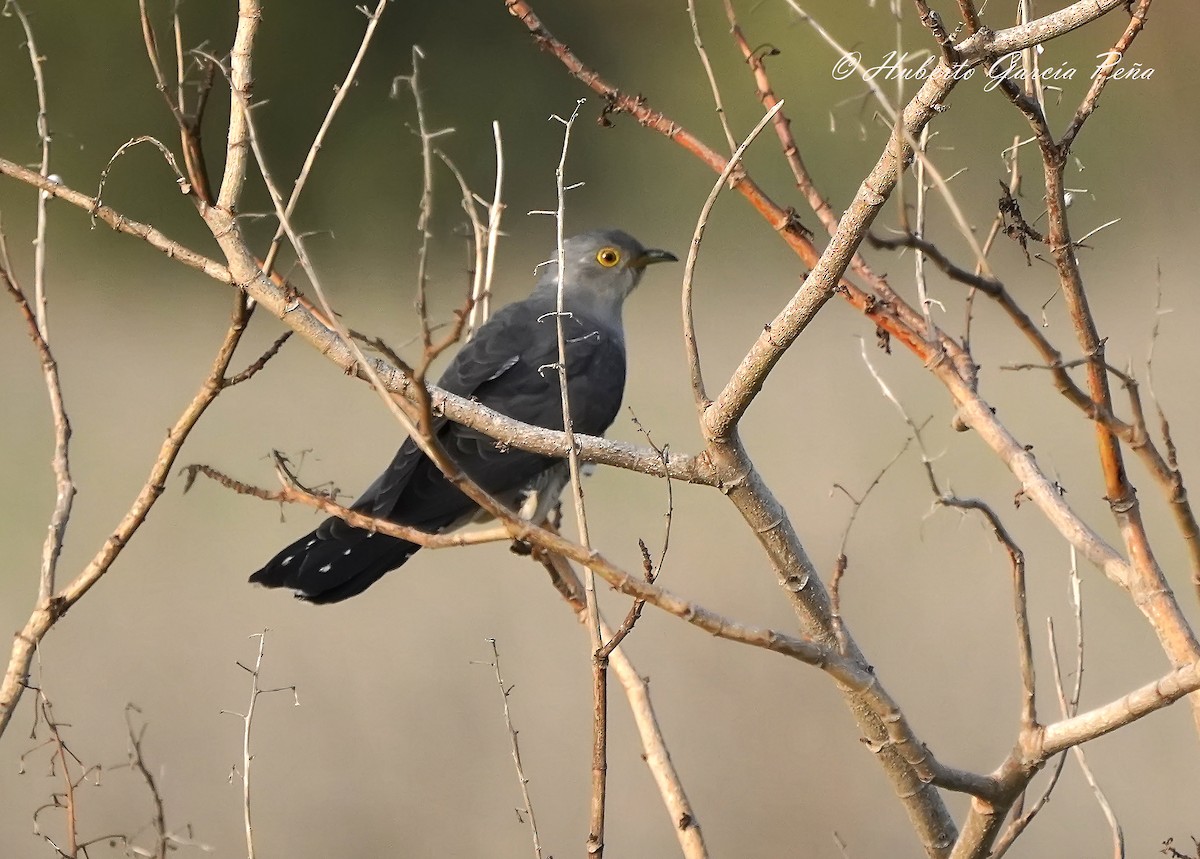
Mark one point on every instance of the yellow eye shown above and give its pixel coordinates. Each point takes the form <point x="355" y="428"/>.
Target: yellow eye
<point x="608" y="257"/>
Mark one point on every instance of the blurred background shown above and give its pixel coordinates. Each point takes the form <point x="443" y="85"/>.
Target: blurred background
<point x="399" y="746"/>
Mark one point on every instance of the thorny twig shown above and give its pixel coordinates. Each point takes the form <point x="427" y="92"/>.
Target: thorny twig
<point x="247" y="723"/>
<point x="595" y="839"/>
<point x="44" y="137"/>
<point x="137" y="762"/>
<point x="426" y="204"/>
<point x="669" y="516"/>
<point x="522" y="780"/>
<point x="292" y="492"/>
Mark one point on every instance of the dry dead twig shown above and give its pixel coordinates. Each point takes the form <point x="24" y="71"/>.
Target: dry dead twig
<point x="247" y="718"/>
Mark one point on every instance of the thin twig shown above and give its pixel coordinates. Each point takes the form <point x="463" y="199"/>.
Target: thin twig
<point x="338" y="97"/>
<point x="1177" y="493"/>
<point x="634" y="614"/>
<point x="476" y="250"/>
<point x="1020" y="602"/>
<point x="483" y="300"/>
<point x="691" y="346"/>
<point x="247" y="723"/>
<point x="426" y="205"/>
<point x="1069" y="708"/>
<point x="708" y="73"/>
<point x="260" y="362"/>
<point x="189" y="126"/>
<point x="168" y="156"/>
<point x="64" y="484"/>
<point x="118" y="221"/>
<point x="669" y="516"/>
<point x="1016" y="556"/>
<point x="505" y="691"/>
<point x="842" y="562"/>
<point x="756" y="60"/>
<point x="595" y="839"/>
<point x="1137" y="20"/>
<point x="43" y="131"/>
<point x="926" y="303"/>
<point x="292" y="492"/>
<point x="137" y="762"/>
<point x="175" y="105"/>
<point x="40" y="328"/>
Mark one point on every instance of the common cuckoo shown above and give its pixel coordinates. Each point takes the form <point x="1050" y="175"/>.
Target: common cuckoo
<point x="510" y="365"/>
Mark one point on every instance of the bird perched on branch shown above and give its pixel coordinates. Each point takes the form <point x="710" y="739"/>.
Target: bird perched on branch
<point x="509" y="366"/>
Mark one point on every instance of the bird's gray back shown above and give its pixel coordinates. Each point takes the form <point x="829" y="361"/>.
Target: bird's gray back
<point x="510" y="366"/>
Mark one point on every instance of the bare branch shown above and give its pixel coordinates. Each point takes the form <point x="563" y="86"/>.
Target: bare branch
<point x="1104" y="719"/>
<point x="339" y="96"/>
<point x="120" y="223"/>
<point x="160" y="79"/>
<point x="756" y="60"/>
<point x="137" y="762"/>
<point x="505" y="691"/>
<point x="708" y="73"/>
<point x="426" y="204"/>
<point x="1069" y="708"/>
<point x="1137" y="20"/>
<point x="292" y="492"/>
<point x="598" y="806"/>
<point x="969" y="15"/>
<point x="699" y="396"/>
<point x="166" y="153"/>
<point x="1020" y="603"/>
<point x="56" y="529"/>
<point x="249" y="373"/>
<point x="241" y="81"/>
<point x="637" y="691"/>
<point x="247" y="723"/>
<point x="43" y="131"/>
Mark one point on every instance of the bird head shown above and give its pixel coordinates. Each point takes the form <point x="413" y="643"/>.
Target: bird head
<point x="602" y="266"/>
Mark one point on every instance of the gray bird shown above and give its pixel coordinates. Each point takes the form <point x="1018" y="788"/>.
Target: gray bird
<point x="509" y="366"/>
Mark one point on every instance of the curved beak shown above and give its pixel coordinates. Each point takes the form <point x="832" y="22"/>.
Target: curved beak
<point x="651" y="256"/>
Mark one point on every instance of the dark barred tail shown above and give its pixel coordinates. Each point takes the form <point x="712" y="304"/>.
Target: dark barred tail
<point x="333" y="568"/>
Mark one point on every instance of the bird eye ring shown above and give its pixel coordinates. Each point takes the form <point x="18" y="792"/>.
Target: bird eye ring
<point x="608" y="257"/>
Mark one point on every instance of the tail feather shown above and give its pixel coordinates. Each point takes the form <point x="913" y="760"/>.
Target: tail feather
<point x="326" y="569"/>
